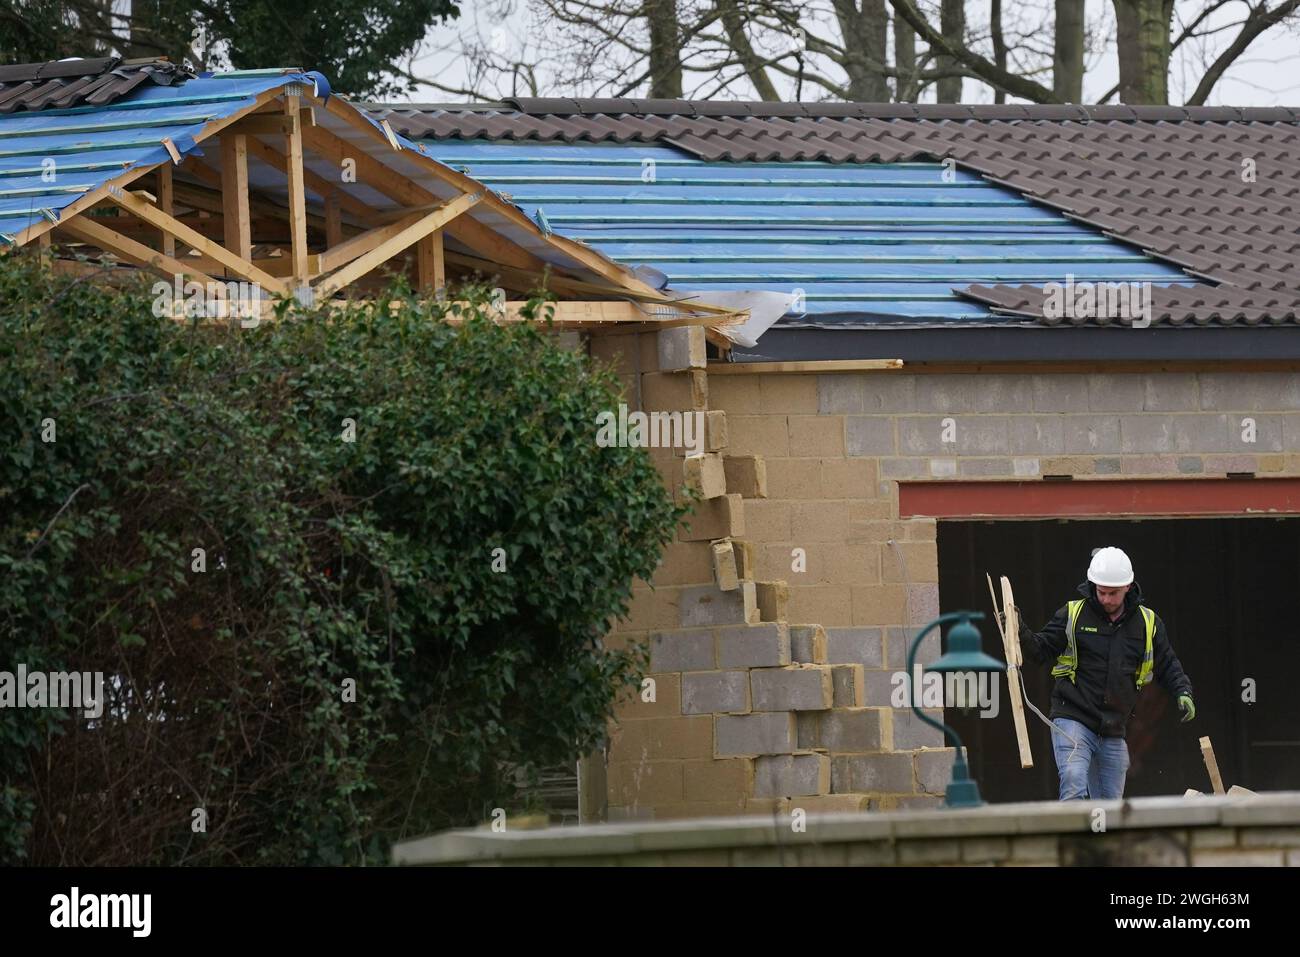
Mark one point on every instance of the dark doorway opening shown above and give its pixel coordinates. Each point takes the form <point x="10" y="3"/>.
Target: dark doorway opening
<point x="1227" y="590"/>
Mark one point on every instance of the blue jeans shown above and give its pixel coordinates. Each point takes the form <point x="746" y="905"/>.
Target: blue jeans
<point x="1090" y="766"/>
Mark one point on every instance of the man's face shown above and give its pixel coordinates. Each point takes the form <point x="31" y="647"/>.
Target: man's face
<point x="1112" y="599"/>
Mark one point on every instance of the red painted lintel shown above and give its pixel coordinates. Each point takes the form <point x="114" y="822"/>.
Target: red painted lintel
<point x="1099" y="497"/>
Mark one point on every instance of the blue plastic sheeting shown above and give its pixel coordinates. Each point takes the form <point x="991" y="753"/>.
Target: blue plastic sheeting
<point x="855" y="243"/>
<point x="51" y="158"/>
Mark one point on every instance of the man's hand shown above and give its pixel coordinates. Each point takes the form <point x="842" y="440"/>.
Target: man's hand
<point x="1187" y="706"/>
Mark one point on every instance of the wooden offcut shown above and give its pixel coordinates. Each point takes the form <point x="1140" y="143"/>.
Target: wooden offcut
<point x="1211" y="765"/>
<point x="1008" y="620"/>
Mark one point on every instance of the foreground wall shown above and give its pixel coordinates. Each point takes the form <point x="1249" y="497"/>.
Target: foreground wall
<point x="778" y="623"/>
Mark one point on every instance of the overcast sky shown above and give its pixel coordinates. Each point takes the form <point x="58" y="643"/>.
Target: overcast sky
<point x="1268" y="75"/>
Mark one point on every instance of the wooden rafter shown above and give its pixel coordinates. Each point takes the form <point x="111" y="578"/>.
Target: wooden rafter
<point x="89" y="231"/>
<point x="402" y="240"/>
<point x="297" y="192"/>
<point x="237" y="224"/>
<point x="240" y="266"/>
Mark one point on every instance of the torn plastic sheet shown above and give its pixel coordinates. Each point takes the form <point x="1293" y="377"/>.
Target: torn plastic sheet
<point x="765" y="308"/>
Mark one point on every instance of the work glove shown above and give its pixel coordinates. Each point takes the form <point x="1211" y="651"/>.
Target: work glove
<point x="1188" y="708"/>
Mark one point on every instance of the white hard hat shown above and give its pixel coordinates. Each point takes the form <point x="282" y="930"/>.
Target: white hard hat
<point x="1110" y="568"/>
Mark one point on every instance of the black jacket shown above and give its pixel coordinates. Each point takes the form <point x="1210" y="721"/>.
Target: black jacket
<point x="1105" y="691"/>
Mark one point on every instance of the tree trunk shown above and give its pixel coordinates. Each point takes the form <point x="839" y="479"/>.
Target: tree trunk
<point x="952" y="24"/>
<point x="864" y="30"/>
<point x="999" y="46"/>
<point x="665" y="49"/>
<point x="906" y="87"/>
<point x="1143" y="40"/>
<point x="738" y="40"/>
<point x="1067" y="60"/>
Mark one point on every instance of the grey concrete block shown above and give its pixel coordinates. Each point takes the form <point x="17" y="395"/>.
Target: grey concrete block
<point x="711" y="692"/>
<point x="1171" y="392"/>
<point x="1003" y="393"/>
<point x="1264" y="430"/>
<point x="741" y="734"/>
<point x="1190" y="463"/>
<point x="983" y="435"/>
<point x="840" y="393"/>
<point x="841" y="775"/>
<point x="1024" y="468"/>
<point x="848" y="687"/>
<point x="900" y="640"/>
<point x="1107" y="466"/>
<point x="858" y="646"/>
<point x="911" y="732"/>
<point x="869" y="435"/>
<point x="925" y="436"/>
<point x="946" y="393"/>
<point x="934" y="769"/>
<point x="805" y="688"/>
<point x="1122" y="392"/>
<point x="792" y="775"/>
<point x="1060" y="393"/>
<point x="1036" y="435"/>
<point x="985" y="467"/>
<point x="850" y="729"/>
<point x="904" y="468"/>
<point x="878" y="686"/>
<point x="808" y="644"/>
<point x="765" y="645"/>
<point x="806" y="729"/>
<point x="681" y="651"/>
<point x="1090" y="435"/>
<point x="890" y="773"/>
<point x="889" y="392"/>
<point x="1237" y="392"/>
<point x="707" y="605"/>
<point x="943" y="468"/>
<point x="681" y="348"/>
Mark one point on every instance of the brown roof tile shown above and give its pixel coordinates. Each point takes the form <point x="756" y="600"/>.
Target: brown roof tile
<point x="61" y="84"/>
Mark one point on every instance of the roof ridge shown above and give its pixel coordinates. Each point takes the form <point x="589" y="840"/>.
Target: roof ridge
<point x="593" y="106"/>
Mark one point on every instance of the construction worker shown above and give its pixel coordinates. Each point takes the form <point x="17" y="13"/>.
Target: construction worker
<point x="1105" y="647"/>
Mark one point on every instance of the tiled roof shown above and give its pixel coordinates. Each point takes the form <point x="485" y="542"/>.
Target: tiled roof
<point x="62" y="84"/>
<point x="1214" y="190"/>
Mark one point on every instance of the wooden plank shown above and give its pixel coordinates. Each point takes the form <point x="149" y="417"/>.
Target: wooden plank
<point x="166" y="202"/>
<point x="273" y="124"/>
<point x="804" y="368"/>
<point x="333" y="219"/>
<point x="431" y="268"/>
<point x="242" y="268"/>
<point x="234" y="195"/>
<point x="89" y="231"/>
<point x="403" y="240"/>
<point x="1011" y="640"/>
<point x="297" y="193"/>
<point x="1211" y="765"/>
<point x="359" y="245"/>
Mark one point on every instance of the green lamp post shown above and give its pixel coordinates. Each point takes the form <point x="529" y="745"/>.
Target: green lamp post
<point x="964" y="655"/>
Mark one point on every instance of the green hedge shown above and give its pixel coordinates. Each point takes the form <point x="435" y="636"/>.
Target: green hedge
<point x="327" y="561"/>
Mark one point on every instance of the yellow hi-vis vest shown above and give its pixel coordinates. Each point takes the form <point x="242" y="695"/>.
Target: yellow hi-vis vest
<point x="1068" y="661"/>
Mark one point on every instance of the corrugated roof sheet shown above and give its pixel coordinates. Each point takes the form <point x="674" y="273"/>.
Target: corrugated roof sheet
<point x="1171" y="181"/>
<point x="855" y="244"/>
